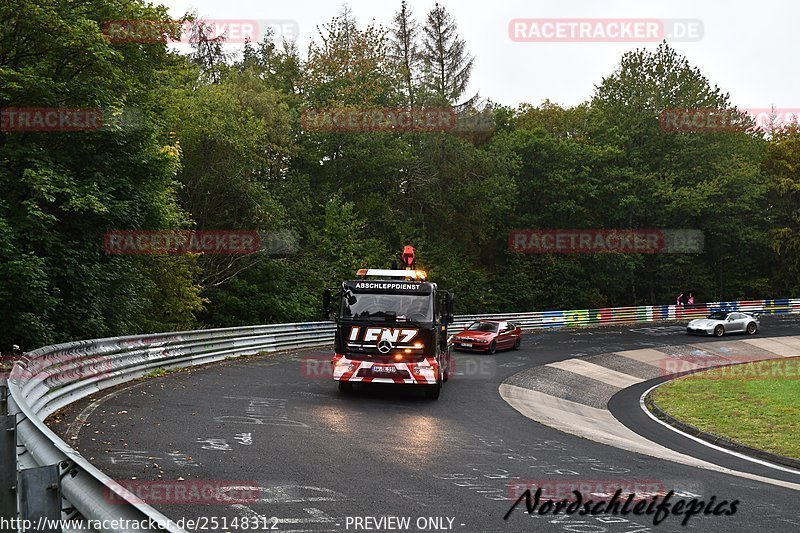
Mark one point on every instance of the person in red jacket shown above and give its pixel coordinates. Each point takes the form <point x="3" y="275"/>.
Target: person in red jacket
<point x="408" y="256"/>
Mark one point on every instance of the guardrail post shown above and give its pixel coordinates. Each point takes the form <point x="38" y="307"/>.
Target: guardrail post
<point x="40" y="497"/>
<point x="3" y="398"/>
<point x="8" y="472"/>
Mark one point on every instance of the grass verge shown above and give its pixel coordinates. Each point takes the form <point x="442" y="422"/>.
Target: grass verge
<point x="758" y="407"/>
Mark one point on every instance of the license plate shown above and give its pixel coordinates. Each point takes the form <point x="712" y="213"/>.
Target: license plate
<point x="384" y="369"/>
<point x="466" y="344"/>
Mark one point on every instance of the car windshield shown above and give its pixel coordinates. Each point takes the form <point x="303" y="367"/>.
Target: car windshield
<point x="416" y="307"/>
<point x="483" y="326"/>
<point x="718" y="315"/>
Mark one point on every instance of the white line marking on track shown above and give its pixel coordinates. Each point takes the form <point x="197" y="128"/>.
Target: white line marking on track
<point x="706" y="443"/>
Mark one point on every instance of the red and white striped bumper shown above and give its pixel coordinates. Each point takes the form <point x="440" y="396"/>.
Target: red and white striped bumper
<point x="422" y="373"/>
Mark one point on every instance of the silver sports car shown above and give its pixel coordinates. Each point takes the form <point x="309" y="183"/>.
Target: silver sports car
<point x="719" y="323"/>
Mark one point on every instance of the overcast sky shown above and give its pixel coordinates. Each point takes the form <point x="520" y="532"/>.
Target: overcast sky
<point x="750" y="49"/>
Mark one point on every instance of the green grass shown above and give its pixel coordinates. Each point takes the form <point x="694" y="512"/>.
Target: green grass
<point x="159" y="372"/>
<point x="758" y="411"/>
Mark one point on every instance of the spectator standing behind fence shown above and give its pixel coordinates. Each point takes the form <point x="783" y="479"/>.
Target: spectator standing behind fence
<point x="690" y="301"/>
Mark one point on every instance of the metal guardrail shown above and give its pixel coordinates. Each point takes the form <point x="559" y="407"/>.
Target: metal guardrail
<point x="49" y="378"/>
<point x="632" y="315"/>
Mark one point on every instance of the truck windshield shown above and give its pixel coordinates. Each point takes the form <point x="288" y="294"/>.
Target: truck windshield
<point x="416" y="307"/>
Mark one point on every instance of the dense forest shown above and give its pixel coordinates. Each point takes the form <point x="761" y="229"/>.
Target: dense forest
<point x="219" y="143"/>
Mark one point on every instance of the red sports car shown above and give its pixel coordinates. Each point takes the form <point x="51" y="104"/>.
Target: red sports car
<point x="488" y="336"/>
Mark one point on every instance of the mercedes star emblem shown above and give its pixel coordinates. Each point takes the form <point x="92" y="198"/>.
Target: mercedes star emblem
<point x="385" y="346"/>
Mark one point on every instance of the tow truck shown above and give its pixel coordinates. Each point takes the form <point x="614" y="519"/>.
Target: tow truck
<point x="391" y="327"/>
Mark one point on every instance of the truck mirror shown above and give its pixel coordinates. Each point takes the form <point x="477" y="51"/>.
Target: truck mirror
<point x="326" y="303"/>
<point x="449" y="305"/>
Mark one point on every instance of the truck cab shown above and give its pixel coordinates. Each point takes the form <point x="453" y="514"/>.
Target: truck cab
<point x="391" y="327"/>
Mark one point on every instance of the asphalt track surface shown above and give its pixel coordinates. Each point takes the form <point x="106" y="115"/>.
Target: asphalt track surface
<point x="318" y="460"/>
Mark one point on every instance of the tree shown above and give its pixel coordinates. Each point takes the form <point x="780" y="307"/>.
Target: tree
<point x="783" y="167"/>
<point x="222" y="144"/>
<point x="667" y="179"/>
<point x="236" y="139"/>
<point x="207" y="52"/>
<point x="63" y="190"/>
<point x="348" y="66"/>
<point x="405" y="50"/>
<point x="447" y="65"/>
